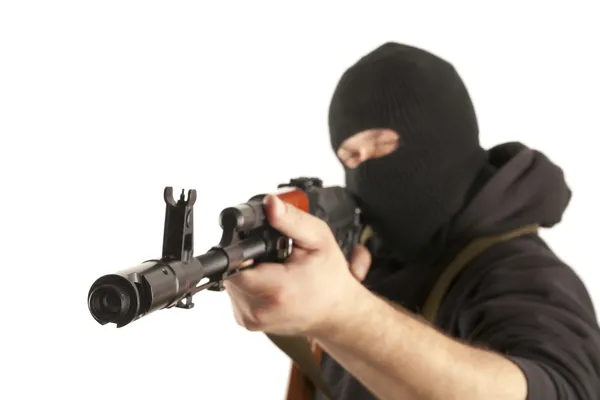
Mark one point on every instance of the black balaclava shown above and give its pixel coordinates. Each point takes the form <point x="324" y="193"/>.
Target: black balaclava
<point x="410" y="196"/>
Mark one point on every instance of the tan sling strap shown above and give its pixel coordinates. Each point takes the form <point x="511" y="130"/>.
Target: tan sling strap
<point x="305" y="375"/>
<point x="461" y="261"/>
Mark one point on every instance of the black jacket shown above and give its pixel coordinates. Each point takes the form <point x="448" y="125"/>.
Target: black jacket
<point x="518" y="298"/>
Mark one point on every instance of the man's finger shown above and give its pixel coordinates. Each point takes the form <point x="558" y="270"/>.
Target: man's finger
<point x="360" y="262"/>
<point x="247" y="311"/>
<point x="307" y="231"/>
<point x="236" y="303"/>
<point x="262" y="280"/>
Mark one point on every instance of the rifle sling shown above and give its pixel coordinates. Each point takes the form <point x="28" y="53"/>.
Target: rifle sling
<point x="461" y="261"/>
<point x="299" y="348"/>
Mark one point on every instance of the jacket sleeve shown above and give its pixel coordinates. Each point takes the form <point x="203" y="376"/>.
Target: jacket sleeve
<point x="537" y="312"/>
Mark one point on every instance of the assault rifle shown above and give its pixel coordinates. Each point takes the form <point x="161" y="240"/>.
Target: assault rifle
<point x="173" y="280"/>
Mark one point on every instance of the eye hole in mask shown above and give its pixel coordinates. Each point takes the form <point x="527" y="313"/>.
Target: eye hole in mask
<point x="367" y="145"/>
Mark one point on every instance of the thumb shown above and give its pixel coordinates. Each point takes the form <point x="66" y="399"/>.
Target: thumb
<point x="307" y="231"/>
<point x="360" y="262"/>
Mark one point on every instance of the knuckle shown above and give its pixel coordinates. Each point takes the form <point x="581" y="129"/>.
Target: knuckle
<point x="297" y="217"/>
<point x="250" y="325"/>
<point x="239" y="320"/>
<point x="321" y="229"/>
<point x="262" y="312"/>
<point x="322" y="225"/>
<point x="256" y="319"/>
<point x="276" y="297"/>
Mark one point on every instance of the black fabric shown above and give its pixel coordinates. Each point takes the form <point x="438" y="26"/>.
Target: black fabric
<point x="518" y="298"/>
<point x="412" y="193"/>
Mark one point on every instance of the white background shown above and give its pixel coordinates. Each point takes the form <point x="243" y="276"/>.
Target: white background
<point x="102" y="104"/>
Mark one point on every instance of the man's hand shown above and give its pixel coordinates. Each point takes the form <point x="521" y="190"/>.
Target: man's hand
<point x="315" y="293"/>
<point x="298" y="296"/>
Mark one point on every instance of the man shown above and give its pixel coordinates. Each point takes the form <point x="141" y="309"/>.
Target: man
<point x="516" y="324"/>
